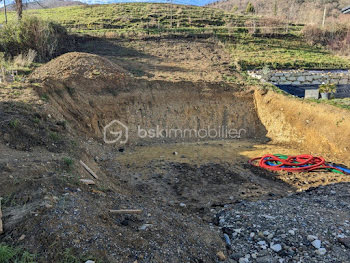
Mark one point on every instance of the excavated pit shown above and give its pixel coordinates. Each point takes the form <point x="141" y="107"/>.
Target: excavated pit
<point x="99" y="99"/>
<point x="178" y="182"/>
<point x="90" y="92"/>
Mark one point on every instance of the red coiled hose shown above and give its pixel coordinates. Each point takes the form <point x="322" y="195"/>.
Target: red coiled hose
<point x="299" y="163"/>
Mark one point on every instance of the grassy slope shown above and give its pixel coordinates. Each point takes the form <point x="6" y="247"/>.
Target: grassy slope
<point x="248" y="52"/>
<point x="282" y="53"/>
<point x="134" y="16"/>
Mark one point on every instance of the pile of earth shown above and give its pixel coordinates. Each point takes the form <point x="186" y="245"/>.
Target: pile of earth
<point x="76" y="65"/>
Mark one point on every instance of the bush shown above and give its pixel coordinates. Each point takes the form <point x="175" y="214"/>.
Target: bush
<point x="47" y="39"/>
<point x="26" y="59"/>
<point x="250" y="9"/>
<point x="335" y="37"/>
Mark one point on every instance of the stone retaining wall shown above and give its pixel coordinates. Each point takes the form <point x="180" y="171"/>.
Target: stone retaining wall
<point x="301" y="77"/>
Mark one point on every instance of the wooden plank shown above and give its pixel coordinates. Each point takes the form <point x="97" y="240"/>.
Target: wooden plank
<point x="1" y="226"/>
<point x="87" y="181"/>
<point x="88" y="169"/>
<point x="126" y="211"/>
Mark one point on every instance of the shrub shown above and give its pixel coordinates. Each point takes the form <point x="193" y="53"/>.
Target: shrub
<point x="335" y="37"/>
<point x="16" y="255"/>
<point x="46" y="38"/>
<point x="26" y="59"/>
<point x="250" y="9"/>
<point x="314" y="35"/>
<point x="328" y="88"/>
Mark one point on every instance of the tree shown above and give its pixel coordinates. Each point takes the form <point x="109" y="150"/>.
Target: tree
<point x="19" y="8"/>
<point x="5" y="11"/>
<point x="275" y="8"/>
<point x="234" y="9"/>
<point x="250" y="8"/>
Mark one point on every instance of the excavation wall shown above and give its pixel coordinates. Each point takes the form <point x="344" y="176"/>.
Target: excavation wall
<point x="315" y="128"/>
<point x="102" y="100"/>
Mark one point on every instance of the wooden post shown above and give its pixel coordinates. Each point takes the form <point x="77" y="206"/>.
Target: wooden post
<point x="126" y="211"/>
<point x="88" y="169"/>
<point x="324" y="16"/>
<point x="1" y="227"/>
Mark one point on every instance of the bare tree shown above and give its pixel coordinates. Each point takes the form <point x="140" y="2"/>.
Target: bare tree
<point x="5" y="11"/>
<point x="19" y="8"/>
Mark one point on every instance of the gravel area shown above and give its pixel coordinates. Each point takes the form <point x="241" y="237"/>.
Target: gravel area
<point x="311" y="226"/>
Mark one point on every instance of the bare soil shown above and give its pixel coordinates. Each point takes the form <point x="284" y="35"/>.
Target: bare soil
<point x="180" y="185"/>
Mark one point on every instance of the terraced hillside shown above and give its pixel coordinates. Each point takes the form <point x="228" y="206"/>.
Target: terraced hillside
<point x="136" y="16"/>
<point x="253" y="42"/>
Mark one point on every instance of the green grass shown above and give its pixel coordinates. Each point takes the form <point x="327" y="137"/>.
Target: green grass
<point x="15" y="255"/>
<point x="340" y="103"/>
<point x="290" y="52"/>
<point x="68" y="163"/>
<point x="14" y="123"/>
<point x="135" y="16"/>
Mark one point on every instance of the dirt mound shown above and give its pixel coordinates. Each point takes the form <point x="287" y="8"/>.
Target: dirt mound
<point x="76" y="65"/>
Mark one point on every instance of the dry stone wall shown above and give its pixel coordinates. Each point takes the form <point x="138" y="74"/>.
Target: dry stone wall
<point x="303" y="77"/>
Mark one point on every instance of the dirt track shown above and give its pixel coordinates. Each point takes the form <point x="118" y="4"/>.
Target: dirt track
<point x="181" y="185"/>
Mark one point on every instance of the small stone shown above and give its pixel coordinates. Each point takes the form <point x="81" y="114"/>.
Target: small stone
<point x="265" y="259"/>
<point x="182" y="204"/>
<point x="238" y="230"/>
<point x="311" y="238"/>
<point x="292" y="232"/>
<point x="243" y="260"/>
<point x="316" y="243"/>
<point x="262" y="243"/>
<point x="145" y="226"/>
<point x="90" y="261"/>
<point x="236" y="256"/>
<point x="48" y="206"/>
<point x="345" y="242"/>
<point x="227" y="240"/>
<point x="221" y="256"/>
<point x="276" y="247"/>
<point x="252" y="235"/>
<point x="22" y="237"/>
<point x="266" y="233"/>
<point x="321" y="251"/>
<point x="175" y="153"/>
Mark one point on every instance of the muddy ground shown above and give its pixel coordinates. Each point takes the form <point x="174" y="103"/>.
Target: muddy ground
<point x="181" y="186"/>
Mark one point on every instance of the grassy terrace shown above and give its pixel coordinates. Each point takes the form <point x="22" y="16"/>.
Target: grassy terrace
<point x="283" y="49"/>
<point x="289" y="52"/>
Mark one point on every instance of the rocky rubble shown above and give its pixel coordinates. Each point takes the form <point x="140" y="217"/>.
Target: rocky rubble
<point x="312" y="226"/>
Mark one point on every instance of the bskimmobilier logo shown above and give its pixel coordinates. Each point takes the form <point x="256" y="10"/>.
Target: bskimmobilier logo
<point x="118" y="132"/>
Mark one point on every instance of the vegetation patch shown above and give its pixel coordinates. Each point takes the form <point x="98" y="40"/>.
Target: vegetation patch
<point x="32" y="38"/>
<point x="10" y="254"/>
<point x="290" y="52"/>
